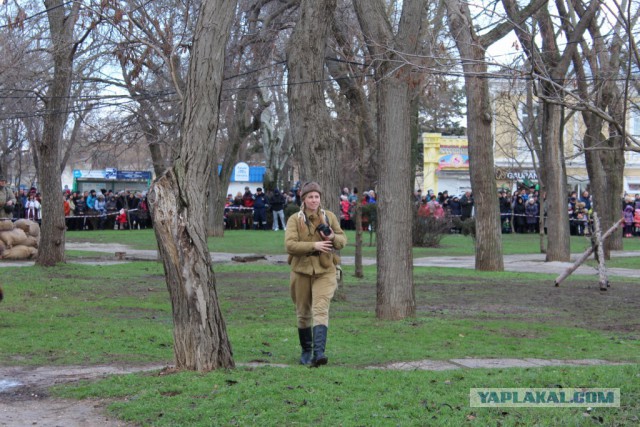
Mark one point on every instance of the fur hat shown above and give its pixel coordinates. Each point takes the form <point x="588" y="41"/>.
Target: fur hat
<point x="309" y="187"/>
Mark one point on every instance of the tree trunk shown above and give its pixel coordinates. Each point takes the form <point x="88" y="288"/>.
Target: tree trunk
<point x="52" y="240"/>
<point x="311" y="125"/>
<point x="179" y="204"/>
<point x="555" y="181"/>
<point x="394" y="82"/>
<point x="488" y="243"/>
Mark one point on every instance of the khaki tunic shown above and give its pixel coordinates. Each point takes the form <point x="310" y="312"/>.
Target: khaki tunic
<point x="313" y="275"/>
<point x="299" y="239"/>
<point x="6" y="195"/>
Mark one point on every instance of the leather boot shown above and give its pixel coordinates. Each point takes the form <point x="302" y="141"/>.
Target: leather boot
<point x="306" y="342"/>
<point x="319" y="343"/>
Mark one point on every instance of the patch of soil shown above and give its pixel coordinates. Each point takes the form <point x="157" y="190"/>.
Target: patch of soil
<point x="30" y="404"/>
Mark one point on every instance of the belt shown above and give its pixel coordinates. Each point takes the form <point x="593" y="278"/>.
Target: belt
<point x="314" y="253"/>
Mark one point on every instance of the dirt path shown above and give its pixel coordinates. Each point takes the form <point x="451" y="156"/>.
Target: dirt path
<point x="24" y="400"/>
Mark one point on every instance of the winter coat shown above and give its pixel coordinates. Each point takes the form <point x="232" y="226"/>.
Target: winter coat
<point x="277" y="201"/>
<point x="628" y="215"/>
<point x="455" y="207"/>
<point x="519" y="212"/>
<point x="260" y="201"/>
<point x="532" y="210"/>
<point x="300" y="236"/>
<point x="466" y="203"/>
<point x="6" y="195"/>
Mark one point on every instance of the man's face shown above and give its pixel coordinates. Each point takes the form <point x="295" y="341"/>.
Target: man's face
<point x="3" y="182"/>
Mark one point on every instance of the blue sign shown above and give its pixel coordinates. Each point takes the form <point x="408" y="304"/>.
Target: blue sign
<point x="77" y="173"/>
<point x="134" y="175"/>
<point x="110" y="173"/>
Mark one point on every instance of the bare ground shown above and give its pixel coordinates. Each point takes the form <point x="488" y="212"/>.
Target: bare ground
<point x="29" y="404"/>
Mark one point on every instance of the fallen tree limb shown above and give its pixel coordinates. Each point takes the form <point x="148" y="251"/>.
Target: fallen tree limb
<point x="586" y="254"/>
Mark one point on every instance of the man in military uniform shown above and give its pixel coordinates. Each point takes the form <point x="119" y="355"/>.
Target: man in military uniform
<point x="7" y="200"/>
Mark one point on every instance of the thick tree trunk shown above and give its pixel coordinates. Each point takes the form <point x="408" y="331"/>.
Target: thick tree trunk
<point x="178" y="201"/>
<point x="488" y="242"/>
<point x="311" y="125"/>
<point x="395" y="288"/>
<point x="555" y="182"/>
<point x="52" y="240"/>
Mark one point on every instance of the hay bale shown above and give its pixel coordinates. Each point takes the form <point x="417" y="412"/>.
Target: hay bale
<point x="14" y="237"/>
<point x="6" y="225"/>
<point x="32" y="228"/>
<point x="3" y="247"/>
<point x="20" y="252"/>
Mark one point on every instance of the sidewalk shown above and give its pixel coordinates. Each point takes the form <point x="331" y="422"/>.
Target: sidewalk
<point x="520" y="263"/>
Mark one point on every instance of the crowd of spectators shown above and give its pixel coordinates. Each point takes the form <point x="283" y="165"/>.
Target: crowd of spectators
<point x="521" y="211"/>
<point x="89" y="210"/>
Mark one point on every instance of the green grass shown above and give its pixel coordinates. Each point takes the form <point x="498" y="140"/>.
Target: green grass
<point x="87" y="315"/>
<point x="337" y="396"/>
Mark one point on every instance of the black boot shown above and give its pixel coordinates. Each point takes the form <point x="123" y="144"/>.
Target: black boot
<point x="306" y="342"/>
<point x="319" y="343"/>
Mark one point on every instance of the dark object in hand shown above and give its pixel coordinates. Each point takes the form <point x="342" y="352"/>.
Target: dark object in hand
<point x="324" y="229"/>
<point x="8" y="208"/>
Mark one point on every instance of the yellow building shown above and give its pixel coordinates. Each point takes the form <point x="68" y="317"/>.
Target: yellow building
<point x="446" y="161"/>
<point x="446" y="164"/>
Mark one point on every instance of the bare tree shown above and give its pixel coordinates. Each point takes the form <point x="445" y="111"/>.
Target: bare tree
<point x="394" y="83"/>
<point x="311" y="126"/>
<point x="472" y="48"/>
<point x="179" y="208"/>
<point x="550" y="66"/>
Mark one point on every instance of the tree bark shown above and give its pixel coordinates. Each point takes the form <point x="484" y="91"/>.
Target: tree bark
<point x="395" y="288"/>
<point x="52" y="240"/>
<point x="488" y="243"/>
<point x="311" y="125"/>
<point x="178" y="202"/>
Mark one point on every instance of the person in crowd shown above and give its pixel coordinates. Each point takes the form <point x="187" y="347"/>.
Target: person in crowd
<point x="121" y="219"/>
<point x="111" y="206"/>
<point x="100" y="206"/>
<point x="532" y="211"/>
<point x="581" y="218"/>
<point x="260" y="204"/>
<point x="417" y="197"/>
<point x="571" y="206"/>
<point x="353" y="197"/>
<point x="81" y="211"/>
<point x="466" y="205"/>
<point x="18" y="210"/>
<point x="505" y="211"/>
<point x="32" y="209"/>
<point x="586" y="199"/>
<point x="91" y="200"/>
<point x="455" y="208"/>
<point x="423" y="209"/>
<point x="277" y="202"/>
<point x="519" y="216"/>
<point x="628" y="220"/>
<point x="636" y="222"/>
<point x="310" y="240"/>
<point x="7" y="200"/>
<point x="237" y="201"/>
<point x="247" y="198"/>
<point x="346" y="222"/>
<point x="144" y="216"/>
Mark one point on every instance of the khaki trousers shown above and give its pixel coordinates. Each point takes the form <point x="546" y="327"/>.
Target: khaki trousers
<point x="311" y="296"/>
